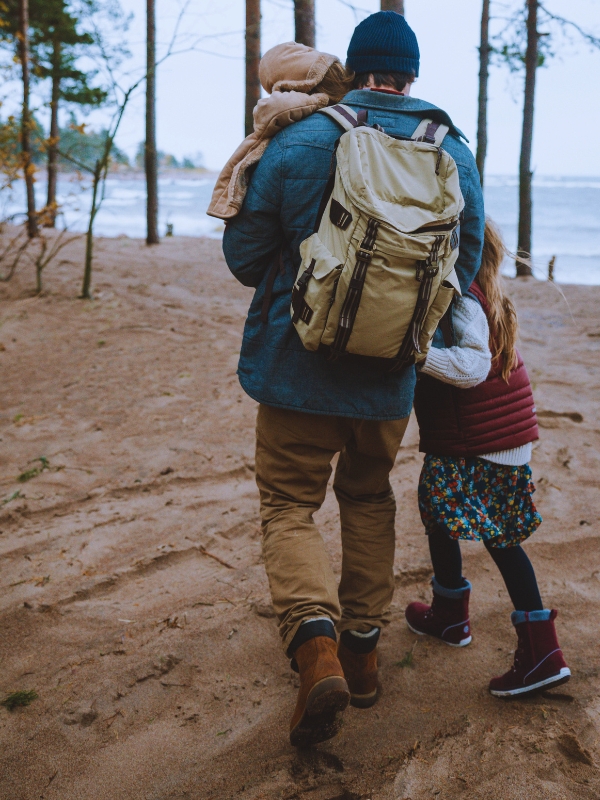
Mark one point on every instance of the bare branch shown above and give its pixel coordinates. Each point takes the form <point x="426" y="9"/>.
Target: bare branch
<point x="356" y="10"/>
<point x="178" y="21"/>
<point x="592" y="40"/>
<point x="75" y="161"/>
<point x="16" y="256"/>
<point x="207" y="52"/>
<point x="48" y="250"/>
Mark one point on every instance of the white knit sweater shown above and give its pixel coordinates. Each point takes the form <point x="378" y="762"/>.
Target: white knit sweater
<point x="468" y="363"/>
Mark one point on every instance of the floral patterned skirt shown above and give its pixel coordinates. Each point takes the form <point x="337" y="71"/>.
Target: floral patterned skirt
<point x="472" y="498"/>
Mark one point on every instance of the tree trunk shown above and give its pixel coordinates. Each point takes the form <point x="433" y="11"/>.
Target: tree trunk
<point x="50" y="217"/>
<point x="150" y="154"/>
<point x="393" y="5"/>
<point x="28" y="167"/>
<point x="86" y="293"/>
<point x="531" y="63"/>
<point x="304" y="17"/>
<point x="484" y="64"/>
<point x="252" y="61"/>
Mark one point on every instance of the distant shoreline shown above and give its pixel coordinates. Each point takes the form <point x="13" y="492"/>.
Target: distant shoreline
<point x="200" y="172"/>
<point x="134" y="174"/>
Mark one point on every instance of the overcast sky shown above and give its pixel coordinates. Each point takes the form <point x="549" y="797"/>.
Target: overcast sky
<point x="201" y="94"/>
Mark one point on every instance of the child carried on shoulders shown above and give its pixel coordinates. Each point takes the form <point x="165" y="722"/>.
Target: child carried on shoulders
<point x="300" y="80"/>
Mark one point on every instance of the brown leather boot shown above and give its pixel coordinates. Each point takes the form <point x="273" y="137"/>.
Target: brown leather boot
<point x="360" y="670"/>
<point x="323" y="693"/>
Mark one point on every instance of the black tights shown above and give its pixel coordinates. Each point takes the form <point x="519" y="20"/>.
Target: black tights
<point x="513" y="563"/>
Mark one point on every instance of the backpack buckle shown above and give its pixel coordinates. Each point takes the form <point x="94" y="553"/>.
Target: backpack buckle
<point x="426" y="270"/>
<point x="364" y="254"/>
<point x="429" y="267"/>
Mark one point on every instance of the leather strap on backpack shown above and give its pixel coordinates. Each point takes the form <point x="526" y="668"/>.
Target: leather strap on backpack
<point x="426" y="272"/>
<point x="299" y="305"/>
<point x="364" y="254"/>
<point x="430" y="132"/>
<point x="327" y="191"/>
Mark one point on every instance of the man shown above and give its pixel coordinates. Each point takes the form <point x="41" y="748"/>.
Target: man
<point x="311" y="409"/>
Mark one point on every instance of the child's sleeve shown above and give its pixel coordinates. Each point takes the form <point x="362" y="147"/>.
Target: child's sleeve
<point x="469" y="361"/>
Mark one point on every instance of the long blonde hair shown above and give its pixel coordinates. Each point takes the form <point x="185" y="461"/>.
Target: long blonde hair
<point x="336" y="83"/>
<point x="503" y="320"/>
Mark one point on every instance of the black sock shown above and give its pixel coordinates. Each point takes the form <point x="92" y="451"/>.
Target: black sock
<point x="321" y="626"/>
<point x="446" y="559"/>
<point x="360" y="644"/>
<point x="519" y="577"/>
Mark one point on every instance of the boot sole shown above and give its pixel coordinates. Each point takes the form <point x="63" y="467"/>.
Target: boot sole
<point x="549" y="683"/>
<point x="363" y="700"/>
<point x="321" y="720"/>
<point x="462" y="643"/>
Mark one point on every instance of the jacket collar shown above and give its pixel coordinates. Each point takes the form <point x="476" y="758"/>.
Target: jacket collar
<point x="379" y="101"/>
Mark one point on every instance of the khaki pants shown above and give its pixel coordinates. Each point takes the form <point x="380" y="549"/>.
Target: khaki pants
<point x="293" y="464"/>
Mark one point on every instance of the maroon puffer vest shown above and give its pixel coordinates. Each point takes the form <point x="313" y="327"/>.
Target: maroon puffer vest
<point x="489" y="418"/>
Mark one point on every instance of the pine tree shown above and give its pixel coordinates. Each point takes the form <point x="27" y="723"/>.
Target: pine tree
<point x="56" y="45"/>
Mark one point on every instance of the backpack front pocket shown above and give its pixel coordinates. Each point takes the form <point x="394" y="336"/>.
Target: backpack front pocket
<point x="447" y="289"/>
<point x="314" y="291"/>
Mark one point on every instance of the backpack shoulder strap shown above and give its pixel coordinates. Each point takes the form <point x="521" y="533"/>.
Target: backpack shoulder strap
<point x="345" y="117"/>
<point x="431" y="132"/>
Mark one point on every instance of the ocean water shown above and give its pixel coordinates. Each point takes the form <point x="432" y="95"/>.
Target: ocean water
<point x="566" y="215"/>
<point x="182" y="202"/>
<point x="566" y="224"/>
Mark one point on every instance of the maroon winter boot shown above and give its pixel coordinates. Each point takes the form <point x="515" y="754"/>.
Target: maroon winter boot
<point x="447" y="618"/>
<point x="539" y="662"/>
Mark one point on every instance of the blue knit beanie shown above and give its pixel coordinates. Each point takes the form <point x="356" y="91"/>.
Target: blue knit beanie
<point x="383" y="42"/>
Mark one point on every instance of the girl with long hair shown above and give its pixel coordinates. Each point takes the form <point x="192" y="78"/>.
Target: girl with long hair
<point x="477" y="423"/>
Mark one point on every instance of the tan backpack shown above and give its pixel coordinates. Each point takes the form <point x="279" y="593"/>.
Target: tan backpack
<point x="378" y="273"/>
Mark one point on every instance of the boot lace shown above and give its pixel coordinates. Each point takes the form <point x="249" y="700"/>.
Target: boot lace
<point x="431" y="611"/>
<point x="520" y="656"/>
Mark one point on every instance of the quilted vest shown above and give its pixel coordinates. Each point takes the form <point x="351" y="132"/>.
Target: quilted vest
<point x="494" y="416"/>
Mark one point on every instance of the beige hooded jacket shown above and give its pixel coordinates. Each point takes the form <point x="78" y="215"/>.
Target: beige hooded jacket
<point x="288" y="72"/>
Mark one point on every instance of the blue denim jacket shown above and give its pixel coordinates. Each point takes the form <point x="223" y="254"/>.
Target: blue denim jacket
<point x="280" y="209"/>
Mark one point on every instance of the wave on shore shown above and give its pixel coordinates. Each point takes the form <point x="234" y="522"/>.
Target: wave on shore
<point x="565" y="210"/>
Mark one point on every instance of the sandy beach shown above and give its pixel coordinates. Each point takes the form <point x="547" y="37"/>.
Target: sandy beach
<point x="134" y="602"/>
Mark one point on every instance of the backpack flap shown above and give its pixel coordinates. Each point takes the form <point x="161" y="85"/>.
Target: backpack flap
<point x="406" y="184"/>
